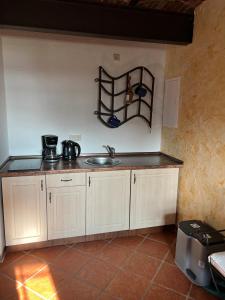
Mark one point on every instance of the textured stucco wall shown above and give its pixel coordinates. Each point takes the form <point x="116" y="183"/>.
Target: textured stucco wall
<point x="200" y="138"/>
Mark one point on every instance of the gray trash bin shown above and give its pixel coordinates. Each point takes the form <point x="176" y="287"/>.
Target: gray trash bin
<point x="193" y="248"/>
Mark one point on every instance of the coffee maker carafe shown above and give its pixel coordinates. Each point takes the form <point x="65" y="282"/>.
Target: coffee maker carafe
<point x="49" y="151"/>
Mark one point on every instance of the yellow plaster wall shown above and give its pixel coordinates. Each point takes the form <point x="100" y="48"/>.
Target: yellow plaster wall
<point x="199" y="139"/>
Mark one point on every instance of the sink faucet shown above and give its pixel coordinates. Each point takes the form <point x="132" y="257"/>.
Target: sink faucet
<point x="110" y="150"/>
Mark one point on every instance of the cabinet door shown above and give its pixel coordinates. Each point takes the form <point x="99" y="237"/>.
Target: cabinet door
<point x="66" y="212"/>
<point x="153" y="197"/>
<point x="24" y="201"/>
<point x="108" y="198"/>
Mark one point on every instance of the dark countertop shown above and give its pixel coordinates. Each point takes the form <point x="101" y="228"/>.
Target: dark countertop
<point x="129" y="161"/>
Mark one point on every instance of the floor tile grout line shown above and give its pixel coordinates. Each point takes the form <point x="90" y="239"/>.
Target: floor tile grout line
<point x="142" y="242"/>
<point x="133" y="252"/>
<point x="13" y="261"/>
<point x="53" y="262"/>
<point x="35" y="273"/>
<point x="156" y="273"/>
<point x="189" y="292"/>
<point x="97" y="256"/>
<point x="158" y="270"/>
<point x="11" y="279"/>
<point x="47" y="263"/>
<point x="143" y="238"/>
<point x="165" y="287"/>
<point x="103" y="291"/>
<point x="21" y="285"/>
<point x="75" y="274"/>
<point x="124" y="262"/>
<point x="119" y="269"/>
<point x="157" y="258"/>
<point x="45" y="260"/>
<point x="137" y="252"/>
<point x="36" y="293"/>
<point x="107" y="285"/>
<point x="163" y="261"/>
<point x="170" y="289"/>
<point x="29" y="252"/>
<point x="91" y="257"/>
<point x="41" y="269"/>
<point x="173" y="243"/>
<point x="164" y="243"/>
<point x="187" y="296"/>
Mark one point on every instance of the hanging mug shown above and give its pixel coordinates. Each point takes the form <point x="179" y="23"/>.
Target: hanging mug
<point x="113" y="121"/>
<point x="140" y="91"/>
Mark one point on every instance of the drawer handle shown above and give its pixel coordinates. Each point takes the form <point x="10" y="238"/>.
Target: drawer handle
<point x="134" y="178"/>
<point x="66" y="180"/>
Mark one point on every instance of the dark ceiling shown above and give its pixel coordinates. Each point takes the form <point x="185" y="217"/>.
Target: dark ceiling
<point x="180" y="6"/>
<point x="162" y="21"/>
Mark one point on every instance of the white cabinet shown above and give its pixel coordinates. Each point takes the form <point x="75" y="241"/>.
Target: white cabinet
<point x="75" y="208"/>
<point x="24" y="200"/>
<point x="66" y="212"/>
<point x="66" y="202"/>
<point x="153" y="197"/>
<point x="108" y="200"/>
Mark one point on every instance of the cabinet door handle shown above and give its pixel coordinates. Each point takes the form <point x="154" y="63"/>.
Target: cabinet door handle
<point x="134" y="178"/>
<point x="89" y="181"/>
<point x="66" y="180"/>
<point x="42" y="186"/>
<point x="50" y="197"/>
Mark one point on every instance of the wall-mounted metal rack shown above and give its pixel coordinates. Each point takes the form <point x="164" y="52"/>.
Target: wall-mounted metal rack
<point x="107" y="113"/>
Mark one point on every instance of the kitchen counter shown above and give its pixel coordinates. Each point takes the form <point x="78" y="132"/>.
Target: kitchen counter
<point x="129" y="161"/>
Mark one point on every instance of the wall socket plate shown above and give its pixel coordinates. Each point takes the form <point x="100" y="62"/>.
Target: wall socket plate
<point x="75" y="137"/>
<point x="116" y="56"/>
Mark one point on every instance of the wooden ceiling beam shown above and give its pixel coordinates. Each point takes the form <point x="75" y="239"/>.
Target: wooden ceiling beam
<point x="96" y="20"/>
<point x="133" y="3"/>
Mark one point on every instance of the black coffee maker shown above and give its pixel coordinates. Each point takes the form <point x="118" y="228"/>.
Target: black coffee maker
<point x="71" y="150"/>
<point x="49" y="150"/>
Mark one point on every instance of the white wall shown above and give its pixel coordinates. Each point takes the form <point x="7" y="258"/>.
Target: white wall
<point x="50" y="89"/>
<point x="4" y="151"/>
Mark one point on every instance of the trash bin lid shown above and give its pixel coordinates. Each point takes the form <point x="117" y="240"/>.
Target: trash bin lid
<point x="203" y="232"/>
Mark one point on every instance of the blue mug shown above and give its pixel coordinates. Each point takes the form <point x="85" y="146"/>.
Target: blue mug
<point x="113" y="121"/>
<point x="140" y="91"/>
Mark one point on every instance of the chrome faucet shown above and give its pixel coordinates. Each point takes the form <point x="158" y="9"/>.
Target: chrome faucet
<point x="110" y="150"/>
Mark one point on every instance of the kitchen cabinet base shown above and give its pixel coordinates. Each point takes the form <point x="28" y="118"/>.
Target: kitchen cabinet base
<point x="87" y="238"/>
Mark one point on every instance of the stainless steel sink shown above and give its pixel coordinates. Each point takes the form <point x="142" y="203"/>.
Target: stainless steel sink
<point x="103" y="161"/>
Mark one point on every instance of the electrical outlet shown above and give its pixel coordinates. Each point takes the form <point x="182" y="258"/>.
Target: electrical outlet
<point x="75" y="137"/>
<point x="116" y="56"/>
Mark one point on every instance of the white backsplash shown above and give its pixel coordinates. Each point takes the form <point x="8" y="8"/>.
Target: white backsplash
<point x="50" y="89"/>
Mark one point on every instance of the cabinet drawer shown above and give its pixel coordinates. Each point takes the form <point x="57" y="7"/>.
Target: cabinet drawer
<point x="66" y="179"/>
<point x="159" y="172"/>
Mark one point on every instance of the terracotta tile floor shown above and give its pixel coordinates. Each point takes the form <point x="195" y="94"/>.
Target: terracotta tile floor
<point x="129" y="268"/>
